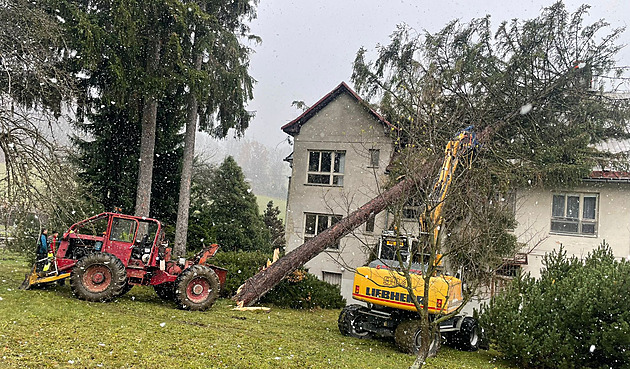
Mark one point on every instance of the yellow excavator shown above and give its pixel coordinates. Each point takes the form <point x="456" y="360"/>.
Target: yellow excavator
<point x="382" y="285"/>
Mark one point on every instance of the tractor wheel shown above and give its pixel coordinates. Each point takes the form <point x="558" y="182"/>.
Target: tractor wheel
<point x="196" y="288"/>
<point x="408" y="337"/>
<point x="98" y="277"/>
<point x="468" y="337"/>
<point x="351" y="320"/>
<point x="166" y="291"/>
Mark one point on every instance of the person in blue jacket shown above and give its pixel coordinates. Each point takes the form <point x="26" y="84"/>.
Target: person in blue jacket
<point x="42" y="250"/>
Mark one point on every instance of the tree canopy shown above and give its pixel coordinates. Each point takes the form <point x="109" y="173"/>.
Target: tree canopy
<point x="130" y="56"/>
<point x="542" y="117"/>
<point x="530" y="87"/>
<point x="35" y="176"/>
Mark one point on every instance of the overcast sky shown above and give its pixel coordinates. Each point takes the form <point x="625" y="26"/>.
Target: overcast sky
<point x="308" y="46"/>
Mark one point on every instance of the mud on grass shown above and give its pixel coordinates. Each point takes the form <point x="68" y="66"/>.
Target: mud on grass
<point x="48" y="328"/>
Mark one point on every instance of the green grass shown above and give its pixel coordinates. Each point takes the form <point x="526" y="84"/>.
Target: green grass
<point x="280" y="203"/>
<point x="48" y="328"/>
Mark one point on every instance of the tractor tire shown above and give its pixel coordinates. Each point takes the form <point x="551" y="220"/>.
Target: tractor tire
<point x="98" y="277"/>
<point x="350" y="322"/>
<point x="468" y="338"/>
<point x="197" y="288"/>
<point x="165" y="291"/>
<point x="408" y="338"/>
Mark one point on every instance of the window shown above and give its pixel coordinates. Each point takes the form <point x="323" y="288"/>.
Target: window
<point x="509" y="270"/>
<point x="326" y="167"/>
<point x="95" y="227"/>
<point x="412" y="209"/>
<point x="574" y="214"/>
<point x="369" y="224"/>
<point x="317" y="223"/>
<point x="374" y="158"/>
<point x="123" y="230"/>
<point x="332" y="278"/>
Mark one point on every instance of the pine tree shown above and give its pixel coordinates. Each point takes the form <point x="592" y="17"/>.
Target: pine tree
<point x="148" y="68"/>
<point x="216" y="74"/>
<point x="274" y="225"/>
<point x="527" y="90"/>
<point x="109" y="160"/>
<point x="233" y="215"/>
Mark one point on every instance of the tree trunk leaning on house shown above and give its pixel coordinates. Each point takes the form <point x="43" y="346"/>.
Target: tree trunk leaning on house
<point x="255" y="287"/>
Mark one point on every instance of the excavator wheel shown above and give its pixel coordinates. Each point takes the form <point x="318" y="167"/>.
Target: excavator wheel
<point x="350" y="322"/>
<point x="98" y="277"/>
<point x="468" y="338"/>
<point x="408" y="338"/>
<point x="166" y="291"/>
<point x="197" y="288"/>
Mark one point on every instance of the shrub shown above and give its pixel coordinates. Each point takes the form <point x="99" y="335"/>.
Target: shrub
<point x="576" y="315"/>
<point x="302" y="290"/>
<point x="241" y="265"/>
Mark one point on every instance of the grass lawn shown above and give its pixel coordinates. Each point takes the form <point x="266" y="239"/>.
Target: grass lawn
<point x="48" y="328"/>
<point x="262" y="201"/>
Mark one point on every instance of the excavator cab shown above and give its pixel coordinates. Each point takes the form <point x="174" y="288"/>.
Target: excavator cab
<point x="393" y="245"/>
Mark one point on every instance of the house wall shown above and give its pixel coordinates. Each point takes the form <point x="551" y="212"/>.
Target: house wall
<point x="341" y="125"/>
<point x="534" y="213"/>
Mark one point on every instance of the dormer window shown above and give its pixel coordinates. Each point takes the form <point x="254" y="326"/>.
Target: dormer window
<point x="326" y="167"/>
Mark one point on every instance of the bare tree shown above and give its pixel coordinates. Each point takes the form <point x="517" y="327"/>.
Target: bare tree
<point x="34" y="84"/>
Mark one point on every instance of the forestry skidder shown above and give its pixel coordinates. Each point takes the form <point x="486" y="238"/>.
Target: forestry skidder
<point x="391" y="310"/>
<point x="106" y="255"/>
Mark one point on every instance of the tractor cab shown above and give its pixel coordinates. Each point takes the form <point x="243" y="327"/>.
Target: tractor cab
<point x="131" y="239"/>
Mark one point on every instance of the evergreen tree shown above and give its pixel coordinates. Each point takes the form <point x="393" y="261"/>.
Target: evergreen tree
<point x="527" y="88"/>
<point x="109" y="160"/>
<point x="215" y="70"/>
<point x="233" y="215"/>
<point x="275" y="226"/>
<point x="146" y="69"/>
<point x="574" y="316"/>
<point x="111" y="40"/>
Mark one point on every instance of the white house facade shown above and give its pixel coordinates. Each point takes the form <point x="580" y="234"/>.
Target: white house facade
<point x="340" y="153"/>
<point x="580" y="219"/>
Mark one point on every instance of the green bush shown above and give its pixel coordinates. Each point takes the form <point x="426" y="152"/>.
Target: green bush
<point x="576" y="315"/>
<point x="241" y="265"/>
<point x="304" y="291"/>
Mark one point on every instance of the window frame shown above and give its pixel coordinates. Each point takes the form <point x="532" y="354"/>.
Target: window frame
<point x="333" y="169"/>
<point x="370" y="223"/>
<point x="331" y="275"/>
<point x="317" y="227"/>
<point x="412" y="209"/>
<point x="571" y="214"/>
<point x="374" y="157"/>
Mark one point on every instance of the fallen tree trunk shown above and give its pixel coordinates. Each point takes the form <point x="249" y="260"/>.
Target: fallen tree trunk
<point x="255" y="287"/>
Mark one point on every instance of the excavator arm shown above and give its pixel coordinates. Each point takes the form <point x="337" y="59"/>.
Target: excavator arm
<point x="464" y="145"/>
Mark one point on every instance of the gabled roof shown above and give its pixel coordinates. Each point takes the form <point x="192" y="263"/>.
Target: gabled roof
<point x="293" y="127"/>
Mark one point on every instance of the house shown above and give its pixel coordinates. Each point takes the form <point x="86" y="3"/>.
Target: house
<point x="579" y="218"/>
<point x="341" y="151"/>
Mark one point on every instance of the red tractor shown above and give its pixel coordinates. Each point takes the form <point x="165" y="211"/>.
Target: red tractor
<point x="106" y="255"/>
